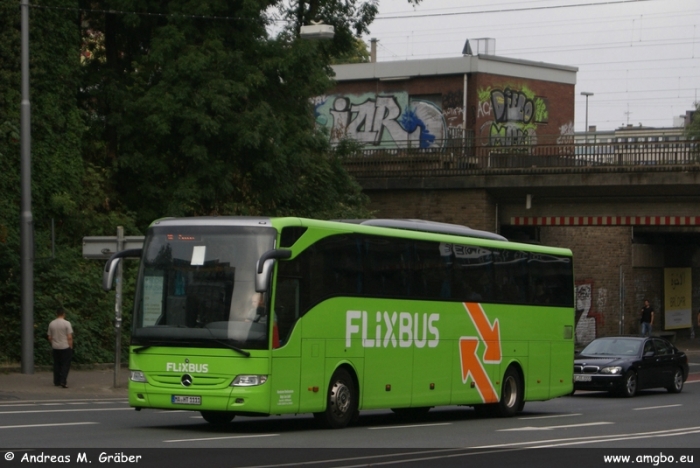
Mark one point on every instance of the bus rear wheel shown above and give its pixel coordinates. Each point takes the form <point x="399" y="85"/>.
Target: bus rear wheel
<point x="341" y="401"/>
<point x="217" y="418"/>
<point x="512" y="397"/>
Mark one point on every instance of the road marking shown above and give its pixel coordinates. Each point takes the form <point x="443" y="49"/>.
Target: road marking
<point x="552" y="416"/>
<point x="597" y="438"/>
<point x="66" y="410"/>
<point x="104" y="401"/>
<point x="222" y="438"/>
<point x="47" y="425"/>
<point x="405" y="427"/>
<point x="655" y="407"/>
<point x="550" y="428"/>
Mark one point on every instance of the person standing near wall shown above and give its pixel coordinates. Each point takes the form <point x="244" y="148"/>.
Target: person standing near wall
<point x="647" y="318"/>
<point x="60" y="336"/>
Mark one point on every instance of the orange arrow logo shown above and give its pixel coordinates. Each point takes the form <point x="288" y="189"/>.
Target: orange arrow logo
<point x="490" y="335"/>
<point x="471" y="365"/>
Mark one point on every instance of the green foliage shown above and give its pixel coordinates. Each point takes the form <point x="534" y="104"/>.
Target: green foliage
<point x="66" y="191"/>
<point x="193" y="110"/>
<point x="359" y="54"/>
<point x="693" y="130"/>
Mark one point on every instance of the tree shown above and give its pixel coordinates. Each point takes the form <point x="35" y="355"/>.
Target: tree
<point x="152" y="108"/>
<point x="693" y="130"/>
<point x="211" y="116"/>
<point x="359" y="54"/>
<point x="64" y="190"/>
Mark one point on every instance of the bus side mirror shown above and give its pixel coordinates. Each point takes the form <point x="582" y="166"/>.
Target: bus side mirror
<point x="264" y="267"/>
<point x="113" y="263"/>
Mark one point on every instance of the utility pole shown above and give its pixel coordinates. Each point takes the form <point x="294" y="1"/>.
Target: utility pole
<point x="26" y="231"/>
<point x="587" y="94"/>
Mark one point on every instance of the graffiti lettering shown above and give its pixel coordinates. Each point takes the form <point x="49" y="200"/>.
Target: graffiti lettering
<point x="566" y="133"/>
<point x="587" y="317"/>
<point x="512" y="106"/>
<point x="382" y="120"/>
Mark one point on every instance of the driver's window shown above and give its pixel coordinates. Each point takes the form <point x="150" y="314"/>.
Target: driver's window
<point x="648" y="347"/>
<point x="663" y="347"/>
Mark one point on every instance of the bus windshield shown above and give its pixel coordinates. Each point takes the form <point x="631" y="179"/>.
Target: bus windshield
<point x="196" y="287"/>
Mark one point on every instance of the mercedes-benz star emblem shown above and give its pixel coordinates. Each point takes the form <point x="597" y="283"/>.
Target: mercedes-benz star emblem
<point x="186" y="380"/>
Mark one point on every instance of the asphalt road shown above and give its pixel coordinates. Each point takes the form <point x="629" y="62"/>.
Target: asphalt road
<point x="587" y="424"/>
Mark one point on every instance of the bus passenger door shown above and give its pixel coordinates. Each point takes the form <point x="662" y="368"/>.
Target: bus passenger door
<point x="286" y="353"/>
<point x="284" y="380"/>
<point x="313" y="378"/>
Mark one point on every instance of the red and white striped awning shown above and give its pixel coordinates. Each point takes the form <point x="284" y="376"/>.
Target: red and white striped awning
<point x="605" y="221"/>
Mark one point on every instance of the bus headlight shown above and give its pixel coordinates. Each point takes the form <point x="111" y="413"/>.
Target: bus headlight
<point x="138" y="376"/>
<point x="611" y="370"/>
<point x="248" y="380"/>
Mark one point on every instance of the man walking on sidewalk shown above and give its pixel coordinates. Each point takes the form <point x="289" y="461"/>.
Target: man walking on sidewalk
<point x="61" y="338"/>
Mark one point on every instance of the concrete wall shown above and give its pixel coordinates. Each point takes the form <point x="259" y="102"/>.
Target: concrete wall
<point x="473" y="208"/>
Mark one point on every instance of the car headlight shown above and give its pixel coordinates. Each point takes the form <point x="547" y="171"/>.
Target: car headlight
<point x="611" y="370"/>
<point x="248" y="380"/>
<point x="138" y="376"/>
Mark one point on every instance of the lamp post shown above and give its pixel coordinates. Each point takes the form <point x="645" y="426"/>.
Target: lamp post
<point x="586" y="93"/>
<point x="25" y="228"/>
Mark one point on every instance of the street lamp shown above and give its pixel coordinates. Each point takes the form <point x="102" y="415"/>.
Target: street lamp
<point x="586" y="93"/>
<point x="26" y="232"/>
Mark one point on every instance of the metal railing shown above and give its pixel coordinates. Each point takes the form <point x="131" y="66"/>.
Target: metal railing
<point x="451" y="160"/>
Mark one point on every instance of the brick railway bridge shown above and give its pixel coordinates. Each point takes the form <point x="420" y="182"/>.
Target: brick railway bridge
<point x="627" y="211"/>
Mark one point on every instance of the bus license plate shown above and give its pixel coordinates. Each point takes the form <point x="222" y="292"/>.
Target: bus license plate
<point x="582" y="378"/>
<point x="186" y="400"/>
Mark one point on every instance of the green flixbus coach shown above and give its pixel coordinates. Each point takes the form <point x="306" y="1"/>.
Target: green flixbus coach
<point x="270" y="316"/>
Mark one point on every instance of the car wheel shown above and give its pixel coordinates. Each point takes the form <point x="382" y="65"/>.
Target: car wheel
<point x="629" y="385"/>
<point x="677" y="385"/>
<point x="217" y="418"/>
<point x="341" y="402"/>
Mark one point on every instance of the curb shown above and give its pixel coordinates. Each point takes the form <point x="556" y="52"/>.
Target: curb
<point x="17" y="368"/>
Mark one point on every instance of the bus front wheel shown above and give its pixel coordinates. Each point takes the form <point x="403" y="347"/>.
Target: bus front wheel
<point x="217" y="418"/>
<point x="341" y="402"/>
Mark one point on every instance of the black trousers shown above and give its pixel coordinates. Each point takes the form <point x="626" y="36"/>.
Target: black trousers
<point x="61" y="365"/>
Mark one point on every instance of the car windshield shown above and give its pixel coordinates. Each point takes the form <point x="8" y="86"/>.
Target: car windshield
<point x="613" y="347"/>
<point x="196" y="287"/>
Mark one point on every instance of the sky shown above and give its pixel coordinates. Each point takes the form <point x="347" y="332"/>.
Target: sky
<point x="639" y="58"/>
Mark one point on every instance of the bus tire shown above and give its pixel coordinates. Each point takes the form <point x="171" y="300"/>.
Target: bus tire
<point x="217" y="418"/>
<point x="341" y="401"/>
<point x="512" y="395"/>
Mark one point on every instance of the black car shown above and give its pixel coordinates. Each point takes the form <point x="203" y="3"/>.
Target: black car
<point x="625" y="364"/>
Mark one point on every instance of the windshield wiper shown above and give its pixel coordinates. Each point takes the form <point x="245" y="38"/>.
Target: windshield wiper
<point x="141" y="348"/>
<point x="235" y="348"/>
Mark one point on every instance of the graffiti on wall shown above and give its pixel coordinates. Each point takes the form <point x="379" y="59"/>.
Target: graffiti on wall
<point x="566" y="134"/>
<point x="453" y="108"/>
<point x="589" y="306"/>
<point x="511" y="115"/>
<point x="391" y="120"/>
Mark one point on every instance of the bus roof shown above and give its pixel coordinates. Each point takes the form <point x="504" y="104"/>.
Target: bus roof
<point x="429" y="226"/>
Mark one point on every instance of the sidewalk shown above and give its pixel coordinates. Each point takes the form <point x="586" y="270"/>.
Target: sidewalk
<point x="89" y="383"/>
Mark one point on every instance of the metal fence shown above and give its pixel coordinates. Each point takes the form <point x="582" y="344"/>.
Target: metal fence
<point x="467" y="159"/>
